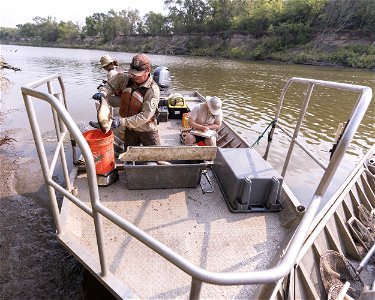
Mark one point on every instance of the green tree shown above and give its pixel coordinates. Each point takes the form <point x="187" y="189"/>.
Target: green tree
<point x="111" y="25"/>
<point x="301" y="10"/>
<point x="94" y="25"/>
<point x="261" y="15"/>
<point x="225" y="13"/>
<point x="67" y="30"/>
<point x="27" y="30"/>
<point x="46" y="28"/>
<point x="8" y="33"/>
<point x="339" y="15"/>
<point x="156" y="24"/>
<point x="134" y="20"/>
<point x="188" y="15"/>
<point x="126" y="27"/>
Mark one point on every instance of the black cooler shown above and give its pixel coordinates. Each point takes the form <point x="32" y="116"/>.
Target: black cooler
<point x="248" y="182"/>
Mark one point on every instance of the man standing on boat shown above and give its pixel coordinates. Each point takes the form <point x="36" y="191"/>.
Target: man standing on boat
<point x="139" y="102"/>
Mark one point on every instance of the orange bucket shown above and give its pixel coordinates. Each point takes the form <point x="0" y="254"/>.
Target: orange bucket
<point x="101" y="146"/>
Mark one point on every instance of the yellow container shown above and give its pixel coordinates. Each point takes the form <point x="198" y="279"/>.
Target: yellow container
<point x="185" y="119"/>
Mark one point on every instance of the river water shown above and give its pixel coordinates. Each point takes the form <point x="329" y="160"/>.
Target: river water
<point x="249" y="90"/>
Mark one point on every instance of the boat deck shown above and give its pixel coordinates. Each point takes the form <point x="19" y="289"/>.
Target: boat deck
<point x="193" y="224"/>
<point x="199" y="239"/>
<point x="196" y="225"/>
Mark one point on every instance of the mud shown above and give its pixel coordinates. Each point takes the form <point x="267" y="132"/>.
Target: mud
<point x="33" y="265"/>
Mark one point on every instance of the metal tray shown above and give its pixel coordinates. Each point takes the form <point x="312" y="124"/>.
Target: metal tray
<point x="180" y="174"/>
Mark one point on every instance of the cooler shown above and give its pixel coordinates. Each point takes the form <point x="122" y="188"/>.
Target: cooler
<point x="248" y="182"/>
<point x="177" y="107"/>
<point x="176" y="112"/>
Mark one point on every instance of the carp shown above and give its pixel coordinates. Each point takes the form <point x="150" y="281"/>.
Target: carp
<point x="104" y="116"/>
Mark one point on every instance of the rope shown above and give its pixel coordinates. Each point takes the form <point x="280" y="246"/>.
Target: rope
<point x="273" y="122"/>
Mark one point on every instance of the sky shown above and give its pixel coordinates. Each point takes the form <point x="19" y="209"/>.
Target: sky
<point x="15" y="12"/>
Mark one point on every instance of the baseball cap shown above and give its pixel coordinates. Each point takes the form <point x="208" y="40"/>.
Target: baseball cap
<point x="140" y="63"/>
<point x="214" y="105"/>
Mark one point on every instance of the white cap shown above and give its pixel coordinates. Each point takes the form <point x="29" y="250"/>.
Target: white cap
<point x="214" y="105"/>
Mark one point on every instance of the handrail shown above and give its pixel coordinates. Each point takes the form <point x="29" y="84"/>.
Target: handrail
<point x="357" y="114"/>
<point x="29" y="91"/>
<point x="198" y="274"/>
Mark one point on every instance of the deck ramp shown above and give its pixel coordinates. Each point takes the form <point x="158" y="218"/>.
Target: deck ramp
<point x="197" y="226"/>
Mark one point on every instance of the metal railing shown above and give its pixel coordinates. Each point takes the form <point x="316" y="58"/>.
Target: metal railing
<point x="64" y="124"/>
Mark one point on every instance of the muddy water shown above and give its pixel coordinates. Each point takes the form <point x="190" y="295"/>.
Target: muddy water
<point x="249" y="90"/>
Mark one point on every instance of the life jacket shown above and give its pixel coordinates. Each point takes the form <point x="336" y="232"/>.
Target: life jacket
<point x="132" y="100"/>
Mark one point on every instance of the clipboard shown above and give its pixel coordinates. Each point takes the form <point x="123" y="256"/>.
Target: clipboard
<point x="207" y="134"/>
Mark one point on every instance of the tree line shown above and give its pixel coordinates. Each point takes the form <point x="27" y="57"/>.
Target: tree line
<point x="291" y="19"/>
<point x="276" y="25"/>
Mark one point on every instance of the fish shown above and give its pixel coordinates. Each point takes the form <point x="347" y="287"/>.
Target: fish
<point x="104" y="116"/>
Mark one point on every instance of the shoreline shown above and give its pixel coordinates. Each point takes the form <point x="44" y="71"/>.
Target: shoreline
<point x="33" y="264"/>
<point x="333" y="51"/>
<point x="31" y="258"/>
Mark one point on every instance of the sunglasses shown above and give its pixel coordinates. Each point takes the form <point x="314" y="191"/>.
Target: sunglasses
<point x="137" y="68"/>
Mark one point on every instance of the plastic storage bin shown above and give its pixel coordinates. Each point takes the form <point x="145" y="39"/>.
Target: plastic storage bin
<point x="248" y="182"/>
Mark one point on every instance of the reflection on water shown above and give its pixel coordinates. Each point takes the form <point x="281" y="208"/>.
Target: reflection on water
<point x="250" y="92"/>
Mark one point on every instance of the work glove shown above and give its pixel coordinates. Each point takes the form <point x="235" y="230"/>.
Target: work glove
<point x="115" y="123"/>
<point x="98" y="96"/>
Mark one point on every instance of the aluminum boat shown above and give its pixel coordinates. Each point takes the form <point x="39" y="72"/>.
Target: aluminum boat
<point x="217" y="222"/>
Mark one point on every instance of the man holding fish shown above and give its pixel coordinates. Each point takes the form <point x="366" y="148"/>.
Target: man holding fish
<point x="138" y="106"/>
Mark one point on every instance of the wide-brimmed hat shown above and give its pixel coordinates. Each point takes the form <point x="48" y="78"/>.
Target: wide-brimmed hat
<point x="106" y="60"/>
<point x="214" y="105"/>
<point x="140" y="63"/>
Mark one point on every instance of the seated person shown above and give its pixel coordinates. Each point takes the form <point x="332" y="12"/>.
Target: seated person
<point x="205" y="116"/>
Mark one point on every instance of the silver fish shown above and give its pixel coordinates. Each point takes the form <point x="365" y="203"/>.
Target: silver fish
<point x="104" y="116"/>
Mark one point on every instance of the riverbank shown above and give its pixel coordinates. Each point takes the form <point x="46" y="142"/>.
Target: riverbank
<point x="346" y="49"/>
<point x="33" y="264"/>
<point x="31" y="258"/>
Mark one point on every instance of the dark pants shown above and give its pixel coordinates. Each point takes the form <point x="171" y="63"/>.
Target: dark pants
<point x="137" y="138"/>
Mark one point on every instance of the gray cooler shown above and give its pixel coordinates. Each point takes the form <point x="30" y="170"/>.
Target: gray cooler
<point x="248" y="182"/>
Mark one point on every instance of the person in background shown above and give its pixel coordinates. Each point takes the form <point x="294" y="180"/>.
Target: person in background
<point x="203" y="117"/>
<point x="110" y="65"/>
<point x="139" y="102"/>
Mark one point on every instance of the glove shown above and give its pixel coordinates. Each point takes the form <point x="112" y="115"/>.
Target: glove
<point x="98" y="96"/>
<point x="115" y="123"/>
